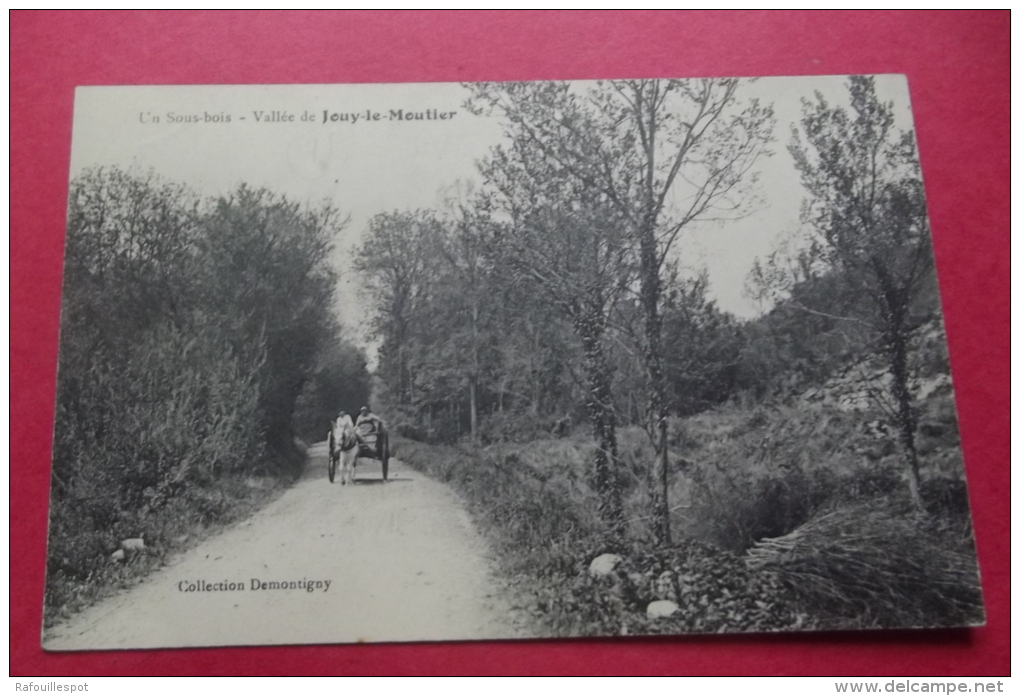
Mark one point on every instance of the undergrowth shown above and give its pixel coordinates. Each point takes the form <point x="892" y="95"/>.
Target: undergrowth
<point x="783" y="518"/>
<point x="80" y="566"/>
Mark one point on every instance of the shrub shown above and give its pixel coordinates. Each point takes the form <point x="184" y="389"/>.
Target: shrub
<point x="79" y="568"/>
<point x="409" y="431"/>
<point x="520" y="427"/>
<point x="761" y="472"/>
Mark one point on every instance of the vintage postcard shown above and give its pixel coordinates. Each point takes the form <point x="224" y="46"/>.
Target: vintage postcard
<point x="418" y="362"/>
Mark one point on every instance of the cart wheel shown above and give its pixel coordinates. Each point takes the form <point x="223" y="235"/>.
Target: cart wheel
<point x="332" y="468"/>
<point x="386" y="459"/>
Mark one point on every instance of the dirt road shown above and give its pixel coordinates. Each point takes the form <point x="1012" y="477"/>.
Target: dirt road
<point x="325" y="563"/>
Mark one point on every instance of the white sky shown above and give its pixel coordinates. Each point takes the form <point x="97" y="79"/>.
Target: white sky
<point x="370" y="167"/>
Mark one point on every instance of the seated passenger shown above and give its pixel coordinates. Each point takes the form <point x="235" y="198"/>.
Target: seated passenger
<point x="367" y="422"/>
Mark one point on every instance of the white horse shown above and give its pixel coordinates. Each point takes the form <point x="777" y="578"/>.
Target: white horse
<point x="343" y="451"/>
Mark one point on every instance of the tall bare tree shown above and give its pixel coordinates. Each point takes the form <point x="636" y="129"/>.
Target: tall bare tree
<point x="663" y="155"/>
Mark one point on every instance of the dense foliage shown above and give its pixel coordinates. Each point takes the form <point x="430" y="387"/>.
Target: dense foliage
<point x="189" y="331"/>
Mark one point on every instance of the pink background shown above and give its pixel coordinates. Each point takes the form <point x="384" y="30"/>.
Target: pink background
<point x="958" y="68"/>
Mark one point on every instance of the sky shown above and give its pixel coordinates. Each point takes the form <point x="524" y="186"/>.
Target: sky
<point x="349" y="145"/>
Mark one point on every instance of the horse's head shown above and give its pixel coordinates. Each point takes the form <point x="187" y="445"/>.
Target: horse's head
<point x="348" y="437"/>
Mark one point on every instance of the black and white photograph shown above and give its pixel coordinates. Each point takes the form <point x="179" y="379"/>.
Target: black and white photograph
<point x="489" y="361"/>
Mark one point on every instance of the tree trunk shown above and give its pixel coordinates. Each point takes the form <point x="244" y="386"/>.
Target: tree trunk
<point x="473" y="381"/>
<point x="905" y="415"/>
<point x="536" y="381"/>
<point x="603" y="421"/>
<point x="894" y="303"/>
<point x="473" y="398"/>
<point x="657" y="406"/>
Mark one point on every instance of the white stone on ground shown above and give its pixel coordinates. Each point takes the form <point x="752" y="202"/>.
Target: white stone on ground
<point x="604" y="565"/>
<point x="662" y="608"/>
<point x="132" y="544"/>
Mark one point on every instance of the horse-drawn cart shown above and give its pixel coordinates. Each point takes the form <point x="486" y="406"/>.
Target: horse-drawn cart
<point x="369" y="439"/>
<point x="374" y="443"/>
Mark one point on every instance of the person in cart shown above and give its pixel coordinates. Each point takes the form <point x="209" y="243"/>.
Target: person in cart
<point x="368" y="423"/>
<point x="373" y="440"/>
<point x="343" y="423"/>
<point x="341" y="430"/>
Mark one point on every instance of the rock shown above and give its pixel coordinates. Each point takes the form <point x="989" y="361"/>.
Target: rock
<point x="604" y="565"/>
<point x="181" y="539"/>
<point x="117" y="556"/>
<point x="662" y="608"/>
<point x="132" y="544"/>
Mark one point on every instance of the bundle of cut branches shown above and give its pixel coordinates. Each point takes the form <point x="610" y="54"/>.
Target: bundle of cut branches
<point x="867" y="565"/>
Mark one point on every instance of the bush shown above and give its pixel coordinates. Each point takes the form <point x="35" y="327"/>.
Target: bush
<point x="144" y="448"/>
<point x="409" y="431"/>
<point x="521" y="427"/>
<point x="79" y="567"/>
<point x="755" y="473"/>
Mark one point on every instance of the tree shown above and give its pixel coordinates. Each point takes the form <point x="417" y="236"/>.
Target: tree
<point x="397" y="262"/>
<point x="563" y="241"/>
<point x="662" y="155"/>
<point x="702" y="369"/>
<point x="467" y="272"/>
<point x="267" y="275"/>
<point x="865" y="209"/>
<point x="340" y="381"/>
<point x="130" y="246"/>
